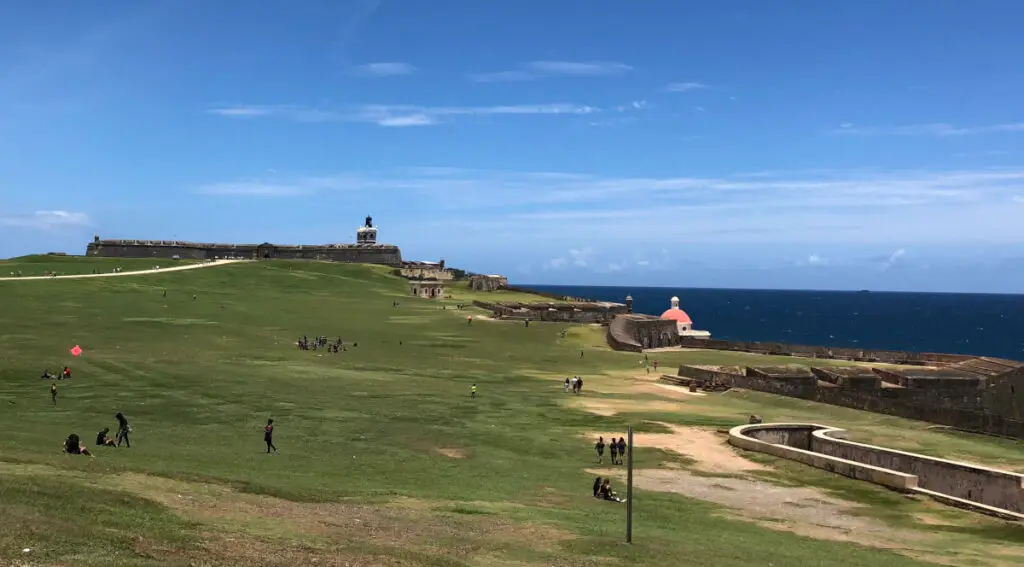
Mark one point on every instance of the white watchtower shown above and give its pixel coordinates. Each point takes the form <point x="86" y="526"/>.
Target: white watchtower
<point x="367" y="234"/>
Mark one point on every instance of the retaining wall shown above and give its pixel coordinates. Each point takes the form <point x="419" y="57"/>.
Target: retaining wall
<point x="992" y="487"/>
<point x="982" y="489"/>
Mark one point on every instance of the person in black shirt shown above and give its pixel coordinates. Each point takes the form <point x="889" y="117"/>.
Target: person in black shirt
<point x="622" y="448"/>
<point x="599" y="447"/>
<point x="597" y="486"/>
<point x="73" y="446"/>
<point x="579" y="384"/>
<point x="53" y="392"/>
<point x="606" y="493"/>
<point x="103" y="439"/>
<point x="122" y="430"/>
<point x="268" y="436"/>
<point x="613" y="449"/>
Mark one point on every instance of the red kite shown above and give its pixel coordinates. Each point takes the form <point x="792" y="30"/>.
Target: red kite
<point x="76" y="351"/>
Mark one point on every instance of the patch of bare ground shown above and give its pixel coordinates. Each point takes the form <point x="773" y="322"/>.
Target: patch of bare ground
<point x="453" y="453"/>
<point x="250" y="529"/>
<point x="709" y="450"/>
<point x="628" y="383"/>
<point x="801" y="510"/>
<point x="400" y="523"/>
<point x="607" y="408"/>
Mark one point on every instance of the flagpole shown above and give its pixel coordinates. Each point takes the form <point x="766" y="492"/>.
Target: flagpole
<point x="629" y="488"/>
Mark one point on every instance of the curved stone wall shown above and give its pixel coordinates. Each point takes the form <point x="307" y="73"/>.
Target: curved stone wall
<point x="982" y="489"/>
<point x="620" y="336"/>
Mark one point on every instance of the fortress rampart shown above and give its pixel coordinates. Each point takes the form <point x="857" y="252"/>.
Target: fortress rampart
<point x="364" y="251"/>
<point x="982" y="394"/>
<point x="357" y="253"/>
<point x="571" y="312"/>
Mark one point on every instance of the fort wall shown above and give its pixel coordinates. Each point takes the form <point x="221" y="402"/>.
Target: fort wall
<point x="840" y="353"/>
<point x="990" y="409"/>
<point x="385" y="254"/>
<point x="488" y="283"/>
<point x="636" y="332"/>
<point x="576" y="312"/>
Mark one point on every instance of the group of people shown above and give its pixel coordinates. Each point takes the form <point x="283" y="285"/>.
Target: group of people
<point x="321" y="342"/>
<point x="64" y="375"/>
<point x="73" y="444"/>
<point x="616" y="448"/>
<point x="575" y="384"/>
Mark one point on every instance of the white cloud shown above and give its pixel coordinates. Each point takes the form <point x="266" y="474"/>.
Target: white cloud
<point x="698" y="109"/>
<point x="582" y="256"/>
<point x="392" y="115"/>
<point x="385" y="69"/>
<point x="254" y="188"/>
<point x="815" y="260"/>
<point x="534" y="70"/>
<point x="815" y="206"/>
<point x="893" y="259"/>
<point x="684" y="87"/>
<point x="46" y="220"/>
<point x="939" y="130"/>
<point x="557" y="263"/>
<point x="1018" y="198"/>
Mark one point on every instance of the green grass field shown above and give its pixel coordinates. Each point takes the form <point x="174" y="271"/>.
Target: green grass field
<point x="72" y="265"/>
<point x="385" y="459"/>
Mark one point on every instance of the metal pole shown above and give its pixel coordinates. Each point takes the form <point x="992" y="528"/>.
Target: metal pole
<point x="629" y="487"/>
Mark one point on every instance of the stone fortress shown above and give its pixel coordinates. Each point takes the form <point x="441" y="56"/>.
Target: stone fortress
<point x="366" y="250"/>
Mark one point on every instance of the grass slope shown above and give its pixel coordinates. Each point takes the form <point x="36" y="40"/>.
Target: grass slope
<point x="39" y="265"/>
<point x="362" y="477"/>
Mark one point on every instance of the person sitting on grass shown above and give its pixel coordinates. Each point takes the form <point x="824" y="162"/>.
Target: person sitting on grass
<point x="597" y="487"/>
<point x="73" y="446"/>
<point x="606" y="492"/>
<point x="105" y="440"/>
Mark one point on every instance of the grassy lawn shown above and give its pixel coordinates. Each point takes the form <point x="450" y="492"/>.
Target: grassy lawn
<point x="385" y="459"/>
<point x="71" y="265"/>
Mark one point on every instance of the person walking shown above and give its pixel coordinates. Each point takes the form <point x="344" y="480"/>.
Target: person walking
<point x="614" y="450"/>
<point x="622" y="449"/>
<point x="566" y="385"/>
<point x="53" y="392"/>
<point x="599" y="447"/>
<point x="579" y="384"/>
<point x="123" y="429"/>
<point x="268" y="437"/>
<point x="472" y="391"/>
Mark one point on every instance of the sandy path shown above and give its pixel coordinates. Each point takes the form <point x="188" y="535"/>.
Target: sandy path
<point x="135" y="273"/>
<point x="709" y="450"/>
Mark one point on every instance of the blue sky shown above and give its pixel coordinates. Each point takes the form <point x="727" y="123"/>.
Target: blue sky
<point x="799" y="144"/>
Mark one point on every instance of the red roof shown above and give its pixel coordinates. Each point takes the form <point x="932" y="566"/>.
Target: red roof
<point x="677" y="315"/>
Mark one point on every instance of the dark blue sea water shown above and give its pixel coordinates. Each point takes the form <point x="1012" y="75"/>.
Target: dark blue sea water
<point x="980" y="324"/>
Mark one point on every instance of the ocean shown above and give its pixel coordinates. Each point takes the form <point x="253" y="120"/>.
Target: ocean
<point x="978" y="324"/>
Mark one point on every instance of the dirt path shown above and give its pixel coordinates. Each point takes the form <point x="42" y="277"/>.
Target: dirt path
<point x="801" y="510"/>
<point x="709" y="450"/>
<point x="135" y="273"/>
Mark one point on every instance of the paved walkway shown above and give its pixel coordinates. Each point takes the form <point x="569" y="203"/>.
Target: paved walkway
<point x="134" y="273"/>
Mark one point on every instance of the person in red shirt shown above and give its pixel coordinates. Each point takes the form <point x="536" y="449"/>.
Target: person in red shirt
<point x="268" y="436"/>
